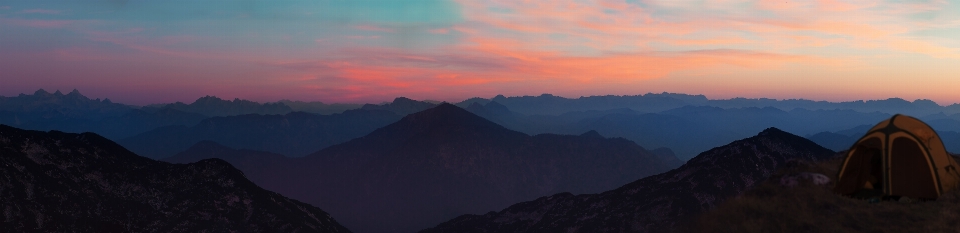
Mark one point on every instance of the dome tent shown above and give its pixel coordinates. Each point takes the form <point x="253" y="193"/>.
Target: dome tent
<point x="900" y="156"/>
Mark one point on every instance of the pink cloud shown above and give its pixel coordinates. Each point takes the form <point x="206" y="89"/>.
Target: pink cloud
<point x="610" y="45"/>
<point x="4" y="7"/>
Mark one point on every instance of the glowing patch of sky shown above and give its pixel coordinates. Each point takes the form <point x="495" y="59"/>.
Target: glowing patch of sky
<point x="374" y="50"/>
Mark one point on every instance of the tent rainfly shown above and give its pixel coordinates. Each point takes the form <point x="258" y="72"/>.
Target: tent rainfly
<point x="899" y="157"/>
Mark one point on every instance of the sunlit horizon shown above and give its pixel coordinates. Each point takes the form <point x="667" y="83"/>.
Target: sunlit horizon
<point x="147" y="52"/>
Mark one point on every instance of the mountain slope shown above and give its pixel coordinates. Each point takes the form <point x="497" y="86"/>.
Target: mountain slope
<point x="656" y="203"/>
<point x="443" y="162"/>
<point x="59" y="182"/>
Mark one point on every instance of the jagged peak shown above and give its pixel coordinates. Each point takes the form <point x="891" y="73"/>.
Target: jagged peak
<point x="58" y="93"/>
<point x="403" y="100"/>
<point x="207" y="98"/>
<point x="774" y="131"/>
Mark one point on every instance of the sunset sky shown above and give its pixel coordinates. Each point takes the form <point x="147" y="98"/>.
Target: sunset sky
<point x="359" y="51"/>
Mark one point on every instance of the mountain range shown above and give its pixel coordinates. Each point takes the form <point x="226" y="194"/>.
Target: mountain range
<point x="439" y="163"/>
<point x="687" y="124"/>
<point x="212" y="106"/>
<point x="656" y="203"/>
<point x="693" y="129"/>
<point x="64" y="182"/>
<point x="293" y="134"/>
<point x="408" y="165"/>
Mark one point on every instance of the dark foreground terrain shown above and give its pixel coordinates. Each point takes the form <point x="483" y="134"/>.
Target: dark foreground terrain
<point x="64" y="182"/>
<point x="659" y="203"/>
<point x="771" y="207"/>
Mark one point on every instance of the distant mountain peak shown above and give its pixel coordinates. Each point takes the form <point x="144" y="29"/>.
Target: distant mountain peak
<point x="445" y="110"/>
<point x="401" y="106"/>
<point x="592" y="134"/>
<point x="41" y="92"/>
<point x="772" y="130"/>
<point x="442" y="123"/>
<point x="208" y="98"/>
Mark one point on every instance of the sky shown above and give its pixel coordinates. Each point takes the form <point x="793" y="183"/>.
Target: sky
<point x="370" y="51"/>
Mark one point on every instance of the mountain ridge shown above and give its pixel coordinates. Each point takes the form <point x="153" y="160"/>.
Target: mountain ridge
<point x="655" y="203"/>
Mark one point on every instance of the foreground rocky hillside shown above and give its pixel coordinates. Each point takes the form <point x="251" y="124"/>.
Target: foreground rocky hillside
<point x="63" y="182"/>
<point x="656" y="203"/>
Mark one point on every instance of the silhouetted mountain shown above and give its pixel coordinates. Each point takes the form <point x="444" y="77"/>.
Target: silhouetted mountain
<point x="443" y="162"/>
<point x="294" y="134"/>
<point x="76" y="113"/>
<point x="401" y="106"/>
<point x="656" y="203"/>
<point x="213" y="106"/>
<point x="63" y="182"/>
<point x="466" y="103"/>
<point x="319" y="107"/>
<point x="72" y="105"/>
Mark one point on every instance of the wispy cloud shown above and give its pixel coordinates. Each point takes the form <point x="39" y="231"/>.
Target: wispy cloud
<point x="41" y="23"/>
<point x="41" y="11"/>
<point x="367" y="27"/>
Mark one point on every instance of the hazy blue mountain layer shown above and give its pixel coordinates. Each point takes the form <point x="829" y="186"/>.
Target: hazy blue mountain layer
<point x="439" y="163"/>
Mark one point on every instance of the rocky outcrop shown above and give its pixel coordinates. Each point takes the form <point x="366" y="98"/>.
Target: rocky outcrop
<point x="63" y="182"/>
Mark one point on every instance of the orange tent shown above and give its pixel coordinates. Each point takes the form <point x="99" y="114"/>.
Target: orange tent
<point x="901" y="156"/>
